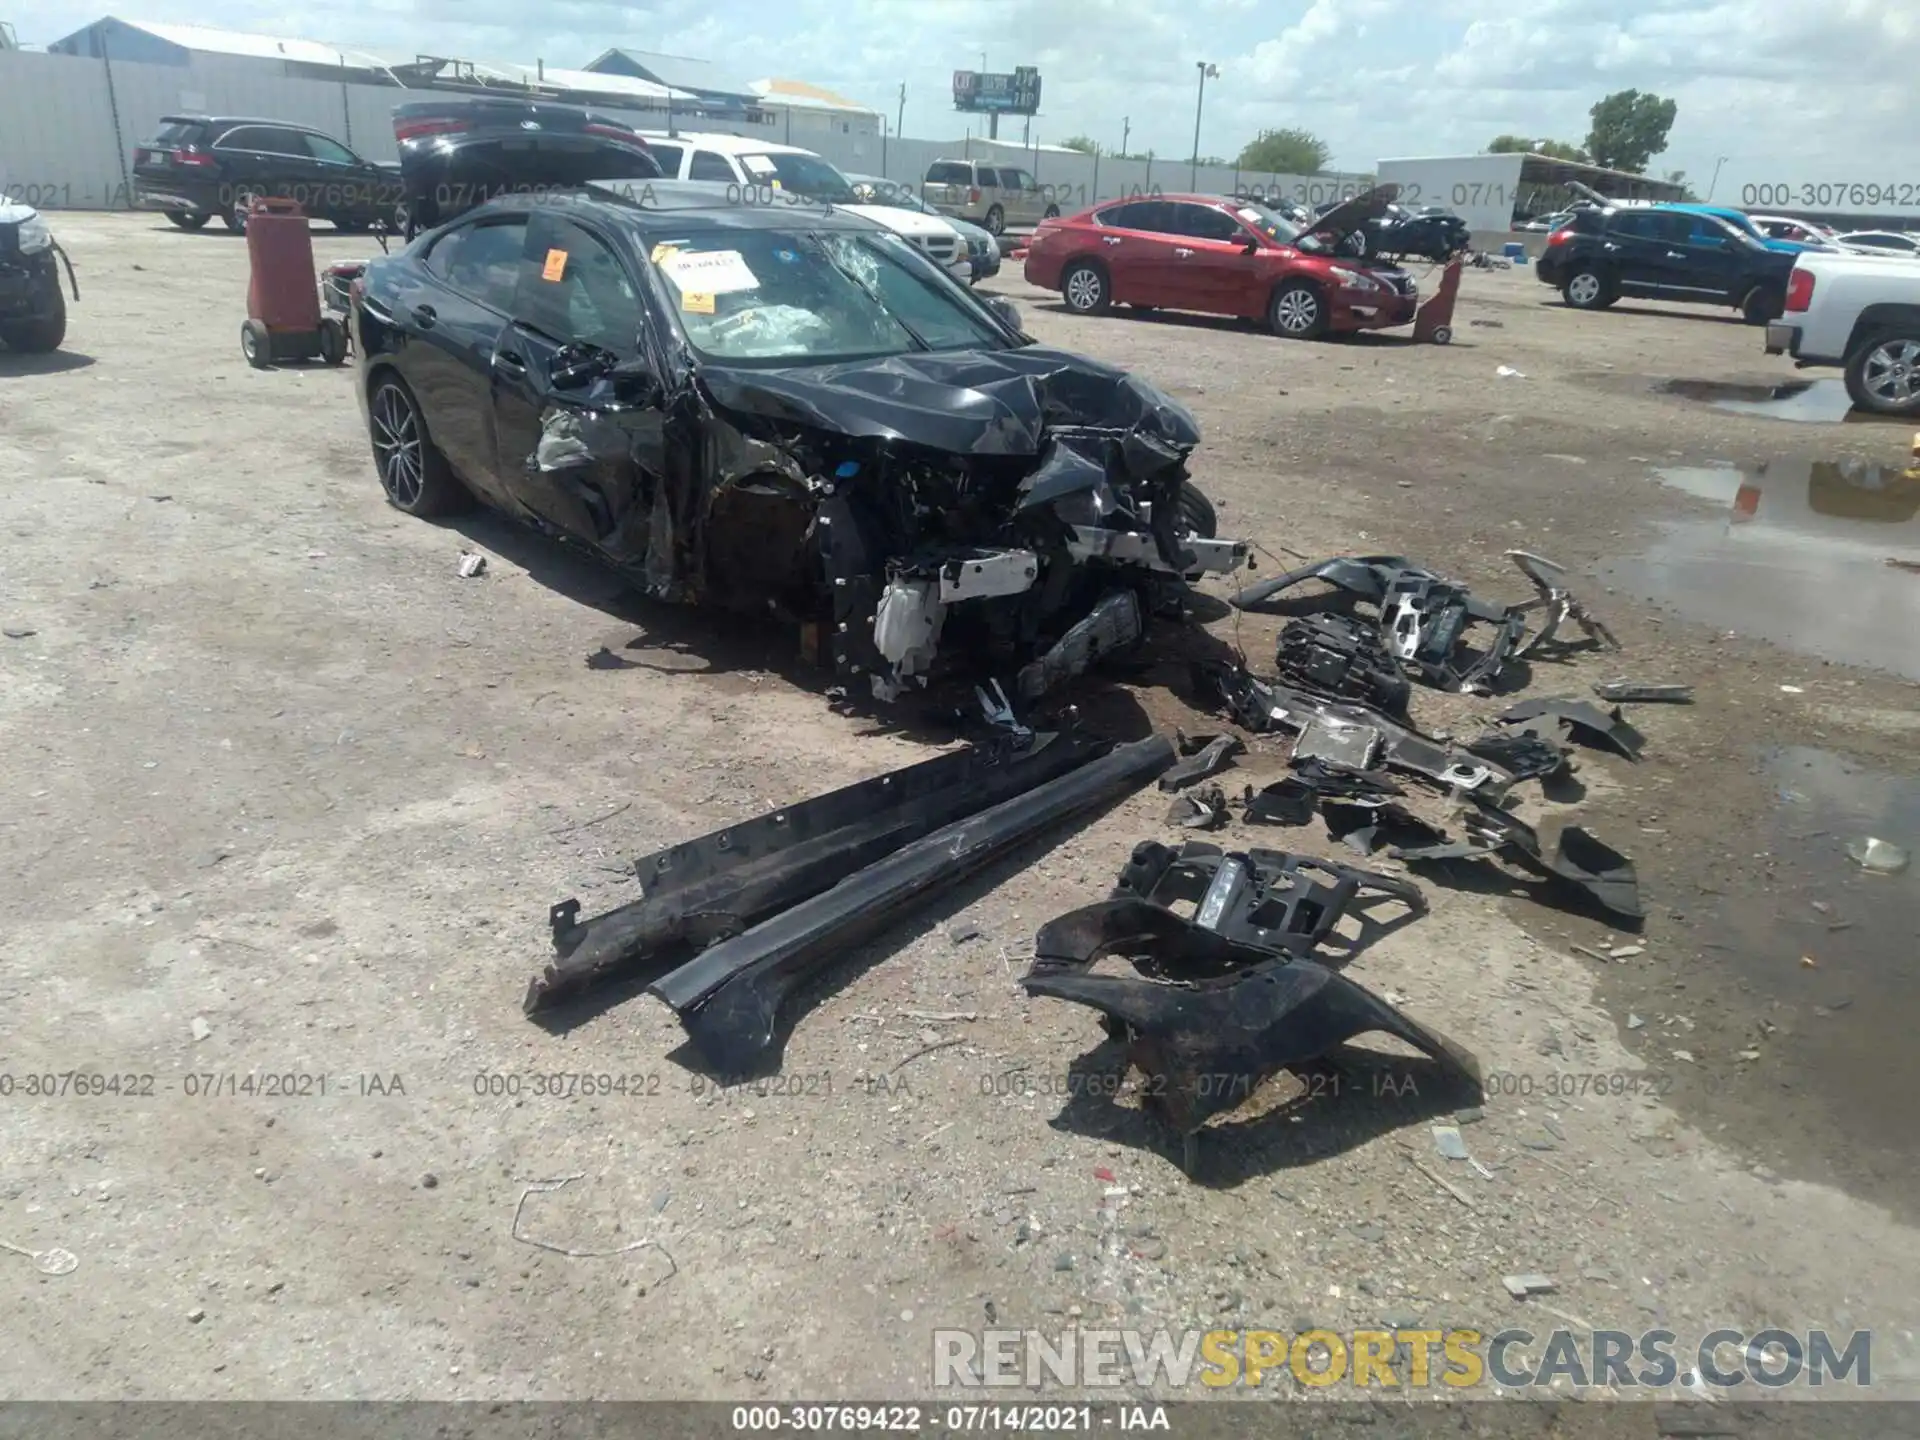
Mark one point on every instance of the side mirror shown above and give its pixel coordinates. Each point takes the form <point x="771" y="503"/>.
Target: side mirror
<point x="574" y="367"/>
<point x="1004" y="310"/>
<point x="635" y="383"/>
<point x="1252" y="247"/>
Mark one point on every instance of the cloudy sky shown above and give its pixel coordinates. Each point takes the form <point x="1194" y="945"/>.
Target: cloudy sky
<point x="1787" y="90"/>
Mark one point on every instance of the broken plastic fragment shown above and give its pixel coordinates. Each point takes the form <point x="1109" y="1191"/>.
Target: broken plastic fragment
<point x="1882" y="857"/>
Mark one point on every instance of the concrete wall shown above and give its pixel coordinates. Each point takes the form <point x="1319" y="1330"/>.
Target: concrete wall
<point x="68" y="125"/>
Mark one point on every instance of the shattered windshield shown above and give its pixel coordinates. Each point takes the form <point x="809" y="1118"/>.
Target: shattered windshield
<point x="1270" y="223"/>
<point x="745" y="295"/>
<point x="806" y="175"/>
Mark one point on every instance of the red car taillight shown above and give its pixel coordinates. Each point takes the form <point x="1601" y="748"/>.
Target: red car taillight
<point x="1799" y="289"/>
<point x="414" y="129"/>
<point x="1559" y="237"/>
<point x="973" y="195"/>
<point x="191" y="155"/>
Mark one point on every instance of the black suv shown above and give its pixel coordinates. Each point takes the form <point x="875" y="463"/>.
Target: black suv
<point x="199" y="166"/>
<point x="1660" y="254"/>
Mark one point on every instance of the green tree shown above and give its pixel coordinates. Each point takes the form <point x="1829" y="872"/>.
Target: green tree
<point x="1629" y="129"/>
<point x="1285" y="152"/>
<point x="1081" y="143"/>
<point x="1521" y="145"/>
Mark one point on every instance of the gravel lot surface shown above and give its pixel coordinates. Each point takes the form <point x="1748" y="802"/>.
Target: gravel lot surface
<point x="283" y="795"/>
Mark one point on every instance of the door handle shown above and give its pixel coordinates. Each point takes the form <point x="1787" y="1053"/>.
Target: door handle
<point x="1676" y="254"/>
<point x="423" y="316"/>
<point x="508" y="361"/>
<point x="1111" y="239"/>
<point x="1182" y="253"/>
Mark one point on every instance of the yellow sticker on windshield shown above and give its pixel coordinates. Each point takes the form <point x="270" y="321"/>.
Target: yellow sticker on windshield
<point x="776" y="182"/>
<point x="696" y="303"/>
<point x="556" y="265"/>
<point x="664" y="252"/>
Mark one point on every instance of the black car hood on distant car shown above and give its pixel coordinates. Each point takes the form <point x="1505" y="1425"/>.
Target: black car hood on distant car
<point x="1350" y="215"/>
<point x="963" y="402"/>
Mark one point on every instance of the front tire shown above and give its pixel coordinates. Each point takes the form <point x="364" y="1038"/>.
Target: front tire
<point x="1883" y="375"/>
<point x="1298" y="311"/>
<point x="413" y="472"/>
<point x="1195" y="511"/>
<point x="1086" y="288"/>
<point x="42" y="334"/>
<point x="996" y="221"/>
<point x="187" y="220"/>
<point x="1587" y="290"/>
<point x="333" y="341"/>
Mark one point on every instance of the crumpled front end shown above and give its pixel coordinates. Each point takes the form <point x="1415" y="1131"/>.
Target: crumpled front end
<point x="1024" y="505"/>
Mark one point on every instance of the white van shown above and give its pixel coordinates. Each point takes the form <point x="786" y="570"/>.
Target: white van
<point x="766" y="167"/>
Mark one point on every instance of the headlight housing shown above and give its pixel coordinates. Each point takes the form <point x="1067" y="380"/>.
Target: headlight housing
<point x="1353" y="279"/>
<point x="34" y="235"/>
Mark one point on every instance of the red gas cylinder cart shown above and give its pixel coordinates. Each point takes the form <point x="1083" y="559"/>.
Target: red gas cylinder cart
<point x="283" y="300"/>
<point x="1433" y="321"/>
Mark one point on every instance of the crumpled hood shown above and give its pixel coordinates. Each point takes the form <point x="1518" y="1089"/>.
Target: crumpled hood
<point x="970" y="402"/>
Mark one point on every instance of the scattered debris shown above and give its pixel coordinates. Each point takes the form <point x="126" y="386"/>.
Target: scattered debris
<point x="1446" y="1139"/>
<point x="1200" y="810"/>
<point x="1509" y="373"/>
<point x="200" y="1029"/>
<point x="1226" y="999"/>
<point x="1626" y="952"/>
<point x="1881" y="857"/>
<point x="1521" y="1286"/>
<point x="18" y="632"/>
<point x="48" y="1262"/>
<point x="700" y="891"/>
<point x="1632" y="691"/>
<point x="471" y="564"/>
<point x="1211" y="759"/>
<point x="547" y="1187"/>
<point x="729" y="996"/>
<point x="1792" y="690"/>
<point x="929" y="1049"/>
<point x="1445" y="1184"/>
<point x="1285" y="802"/>
<point x="1583" y="720"/>
<point x="1634" y="1022"/>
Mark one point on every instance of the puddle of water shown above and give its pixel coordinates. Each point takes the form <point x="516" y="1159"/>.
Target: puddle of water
<point x="1820" y="557"/>
<point x="1846" y="1021"/>
<point x="1820" y="402"/>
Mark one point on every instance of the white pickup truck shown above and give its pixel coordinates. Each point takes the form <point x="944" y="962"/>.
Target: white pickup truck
<point x="1861" y="312"/>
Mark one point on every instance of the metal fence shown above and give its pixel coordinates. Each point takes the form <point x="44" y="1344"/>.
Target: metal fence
<point x="68" y="125"/>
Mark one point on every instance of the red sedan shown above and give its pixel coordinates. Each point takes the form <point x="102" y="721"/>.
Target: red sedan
<point x="1222" y="257"/>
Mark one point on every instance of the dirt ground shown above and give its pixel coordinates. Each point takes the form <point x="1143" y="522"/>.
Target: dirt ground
<point x="283" y="795"/>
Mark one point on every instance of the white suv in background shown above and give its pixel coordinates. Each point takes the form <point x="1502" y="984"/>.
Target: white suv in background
<point x="739" y="160"/>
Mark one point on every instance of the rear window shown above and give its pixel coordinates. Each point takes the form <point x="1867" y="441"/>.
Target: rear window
<point x="949" y="172"/>
<point x="180" y="132"/>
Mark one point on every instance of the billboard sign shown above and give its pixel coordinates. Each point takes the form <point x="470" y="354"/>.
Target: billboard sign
<point x="1015" y="94"/>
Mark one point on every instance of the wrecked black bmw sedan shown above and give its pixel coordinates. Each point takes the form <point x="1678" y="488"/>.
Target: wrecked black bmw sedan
<point x="768" y="404"/>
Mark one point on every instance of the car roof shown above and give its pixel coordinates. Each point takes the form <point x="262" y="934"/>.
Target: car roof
<point x="726" y="144"/>
<point x="687" y="204"/>
<point x="238" y="120"/>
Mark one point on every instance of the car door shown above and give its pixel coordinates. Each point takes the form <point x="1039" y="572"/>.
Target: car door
<point x="576" y="289"/>
<point x="1711" y="262"/>
<point x="1020" y="196"/>
<point x="286" y="166"/>
<point x="347" y="187"/>
<point x="1207" y="263"/>
<point x="453" y="306"/>
<point x="1136" y="251"/>
<point x="1634" y="251"/>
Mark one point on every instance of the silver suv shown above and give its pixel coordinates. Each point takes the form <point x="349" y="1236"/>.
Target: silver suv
<point x="995" y="196"/>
